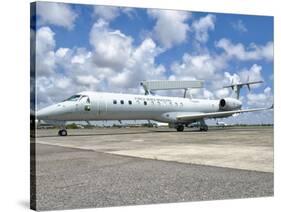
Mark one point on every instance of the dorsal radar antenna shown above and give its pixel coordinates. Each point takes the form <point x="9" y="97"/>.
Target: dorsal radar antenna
<point x="153" y="85"/>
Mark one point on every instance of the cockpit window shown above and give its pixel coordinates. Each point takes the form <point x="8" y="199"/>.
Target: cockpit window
<point x="73" y="98"/>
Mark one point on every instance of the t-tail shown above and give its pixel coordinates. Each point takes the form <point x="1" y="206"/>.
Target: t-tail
<point x="236" y="87"/>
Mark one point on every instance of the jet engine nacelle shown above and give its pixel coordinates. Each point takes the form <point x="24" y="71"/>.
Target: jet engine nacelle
<point x="229" y="104"/>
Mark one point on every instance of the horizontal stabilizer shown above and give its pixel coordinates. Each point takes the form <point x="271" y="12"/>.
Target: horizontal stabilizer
<point x="236" y="87"/>
<point x="242" y="84"/>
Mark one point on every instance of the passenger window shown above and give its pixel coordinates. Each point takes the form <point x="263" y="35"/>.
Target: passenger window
<point x="130" y="102"/>
<point x="115" y="102"/>
<point x="88" y="100"/>
<point x="122" y="102"/>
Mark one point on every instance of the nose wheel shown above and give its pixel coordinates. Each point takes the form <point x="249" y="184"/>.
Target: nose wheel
<point x="180" y="128"/>
<point x="62" y="132"/>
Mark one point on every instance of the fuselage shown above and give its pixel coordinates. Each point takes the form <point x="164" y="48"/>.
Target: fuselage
<point x="116" y="106"/>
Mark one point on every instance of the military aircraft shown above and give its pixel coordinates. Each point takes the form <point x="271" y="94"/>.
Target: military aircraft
<point x="178" y="112"/>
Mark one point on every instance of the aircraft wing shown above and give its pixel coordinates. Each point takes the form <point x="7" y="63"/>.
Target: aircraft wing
<point x="220" y="114"/>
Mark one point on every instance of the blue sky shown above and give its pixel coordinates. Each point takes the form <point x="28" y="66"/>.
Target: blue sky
<point x="86" y="47"/>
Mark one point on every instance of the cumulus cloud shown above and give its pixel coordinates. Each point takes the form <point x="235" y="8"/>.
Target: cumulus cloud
<point x="113" y="64"/>
<point x="253" y="74"/>
<point x="222" y="93"/>
<point x="199" y="66"/>
<point x="171" y="27"/>
<point x="107" y="13"/>
<point x="87" y="80"/>
<point x="264" y="99"/>
<point x="202" y="26"/>
<point x="58" y="14"/>
<point x="239" y="26"/>
<point x="111" y="47"/>
<point x="45" y="55"/>
<point x="252" y="52"/>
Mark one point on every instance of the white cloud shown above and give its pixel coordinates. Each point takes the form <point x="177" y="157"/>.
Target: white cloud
<point x="114" y="64"/>
<point x="111" y="47"/>
<point x="253" y="52"/>
<point x="239" y="26"/>
<point x="253" y="74"/>
<point x="107" y="13"/>
<point x="81" y="56"/>
<point x="87" y="80"/>
<point x="200" y="66"/>
<point x="202" y="26"/>
<point x="207" y="94"/>
<point x="58" y="14"/>
<point x="61" y="52"/>
<point x="222" y="93"/>
<point x="141" y="66"/>
<point x="45" y="56"/>
<point x="264" y="99"/>
<point x="171" y="27"/>
<point x="63" y="83"/>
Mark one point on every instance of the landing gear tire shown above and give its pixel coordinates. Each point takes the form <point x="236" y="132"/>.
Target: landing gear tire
<point x="62" y="132"/>
<point x="204" y="128"/>
<point x="180" y="128"/>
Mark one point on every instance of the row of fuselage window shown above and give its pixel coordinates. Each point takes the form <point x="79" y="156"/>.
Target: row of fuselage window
<point x="122" y="102"/>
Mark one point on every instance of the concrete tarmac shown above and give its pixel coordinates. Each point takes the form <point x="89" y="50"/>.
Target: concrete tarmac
<point x="68" y="178"/>
<point x="249" y="148"/>
<point x="105" y="167"/>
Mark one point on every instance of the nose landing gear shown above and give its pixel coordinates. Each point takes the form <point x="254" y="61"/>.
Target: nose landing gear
<point x="62" y="132"/>
<point x="180" y="128"/>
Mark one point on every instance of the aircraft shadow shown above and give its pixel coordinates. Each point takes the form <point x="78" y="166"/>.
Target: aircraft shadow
<point x="195" y="130"/>
<point x="119" y="133"/>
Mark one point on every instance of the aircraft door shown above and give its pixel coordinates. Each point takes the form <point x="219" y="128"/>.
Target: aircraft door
<point x="102" y="107"/>
<point x="84" y="104"/>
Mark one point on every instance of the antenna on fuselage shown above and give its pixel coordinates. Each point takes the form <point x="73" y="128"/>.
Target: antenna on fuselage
<point x="153" y="85"/>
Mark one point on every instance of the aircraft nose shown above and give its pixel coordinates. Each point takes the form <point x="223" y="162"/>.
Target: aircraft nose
<point x="45" y="113"/>
<point x="49" y="112"/>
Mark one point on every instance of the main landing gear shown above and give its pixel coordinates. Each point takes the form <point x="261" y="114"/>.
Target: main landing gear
<point x="203" y="126"/>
